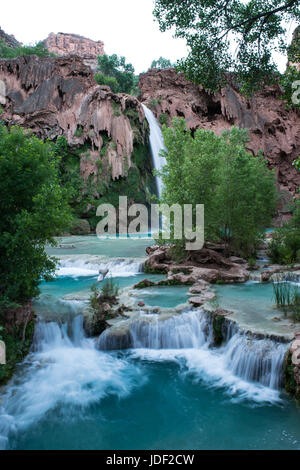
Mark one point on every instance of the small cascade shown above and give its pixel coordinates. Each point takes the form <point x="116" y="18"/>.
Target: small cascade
<point x="186" y="331"/>
<point x="250" y="359"/>
<point x="255" y="360"/>
<point x="156" y="144"/>
<point x="52" y="335"/>
<point x="79" y="266"/>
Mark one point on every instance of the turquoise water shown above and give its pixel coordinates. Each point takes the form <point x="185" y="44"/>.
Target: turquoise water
<point x="164" y="296"/>
<point x="92" y="245"/>
<point x="69" y="395"/>
<point x="155" y="405"/>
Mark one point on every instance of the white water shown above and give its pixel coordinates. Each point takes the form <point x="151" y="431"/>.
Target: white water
<point x="156" y="144"/>
<point x="249" y="368"/>
<point x="64" y="370"/>
<point x="82" y="265"/>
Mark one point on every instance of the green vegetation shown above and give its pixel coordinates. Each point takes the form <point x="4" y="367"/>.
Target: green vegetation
<point x="217" y="324"/>
<point x="161" y="63"/>
<point x="101" y="303"/>
<point x="153" y="103"/>
<point x="287" y="295"/>
<point x="112" y="82"/>
<point x="7" y="52"/>
<point x="33" y="208"/>
<point x="258" y="27"/>
<point x="163" y="119"/>
<point x="17" y="342"/>
<point x="285" y="245"/>
<point x="213" y="170"/>
<point x="116" y="73"/>
<point x="289" y="376"/>
<point x="290" y="76"/>
<point x="85" y="196"/>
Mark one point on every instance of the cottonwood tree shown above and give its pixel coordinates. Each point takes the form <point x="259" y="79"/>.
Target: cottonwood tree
<point x="229" y="35"/>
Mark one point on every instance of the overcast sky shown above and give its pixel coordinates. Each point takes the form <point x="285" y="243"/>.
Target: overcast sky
<point x="127" y="27"/>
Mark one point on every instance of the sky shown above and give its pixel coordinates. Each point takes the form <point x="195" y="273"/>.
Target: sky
<point x="126" y="27"/>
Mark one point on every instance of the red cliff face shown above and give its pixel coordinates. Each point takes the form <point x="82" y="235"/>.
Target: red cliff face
<point x="272" y="128"/>
<point x="58" y="96"/>
<point x="62" y="44"/>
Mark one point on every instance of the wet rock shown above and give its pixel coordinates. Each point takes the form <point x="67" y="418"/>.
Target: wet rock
<point x="202" y="299"/>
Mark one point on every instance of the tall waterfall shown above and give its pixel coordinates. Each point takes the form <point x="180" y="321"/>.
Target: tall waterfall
<point x="157" y="144"/>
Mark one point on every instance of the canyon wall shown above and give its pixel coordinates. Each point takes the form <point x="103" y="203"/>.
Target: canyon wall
<point x="272" y="128"/>
<point x="62" y="44"/>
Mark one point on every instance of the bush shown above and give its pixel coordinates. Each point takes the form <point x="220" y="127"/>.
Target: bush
<point x="112" y="82"/>
<point x="163" y="119"/>
<point x="7" y="52"/>
<point x="288" y="78"/>
<point x="116" y="68"/>
<point x="285" y="245"/>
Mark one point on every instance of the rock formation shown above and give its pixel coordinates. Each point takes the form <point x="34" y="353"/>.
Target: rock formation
<point x="58" y="96"/>
<point x="10" y="40"/>
<point x="209" y="265"/>
<point x="272" y="128"/>
<point x="62" y="44"/>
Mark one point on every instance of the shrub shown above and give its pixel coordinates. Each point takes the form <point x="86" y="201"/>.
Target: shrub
<point x="163" y="119"/>
<point x="7" y="52"/>
<point x="112" y="82"/>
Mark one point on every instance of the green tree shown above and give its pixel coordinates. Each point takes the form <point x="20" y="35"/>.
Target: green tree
<point x="33" y="209"/>
<point x="116" y="67"/>
<point x="161" y="63"/>
<point x="237" y="189"/>
<point x="7" y="52"/>
<point x="112" y="82"/>
<point x="229" y="35"/>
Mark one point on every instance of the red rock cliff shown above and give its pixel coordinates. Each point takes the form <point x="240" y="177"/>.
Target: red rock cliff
<point x="272" y="128"/>
<point x="58" y="96"/>
<point x="62" y="44"/>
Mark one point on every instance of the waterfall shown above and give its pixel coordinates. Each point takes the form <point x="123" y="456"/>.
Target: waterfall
<point x="250" y="359"/>
<point x="64" y="370"/>
<point x="156" y="144"/>
<point x="82" y="265"/>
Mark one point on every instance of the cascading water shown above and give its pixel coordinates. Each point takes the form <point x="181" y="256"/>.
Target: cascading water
<point x="81" y="265"/>
<point x="156" y="144"/>
<point x="63" y="371"/>
<point x="250" y="359"/>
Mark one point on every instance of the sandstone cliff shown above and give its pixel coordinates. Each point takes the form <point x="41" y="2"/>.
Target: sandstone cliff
<point x="107" y="135"/>
<point x="58" y="96"/>
<point x="62" y="44"/>
<point x="10" y="40"/>
<point x="273" y="129"/>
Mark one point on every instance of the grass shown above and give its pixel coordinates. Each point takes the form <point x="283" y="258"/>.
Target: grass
<point x="287" y="295"/>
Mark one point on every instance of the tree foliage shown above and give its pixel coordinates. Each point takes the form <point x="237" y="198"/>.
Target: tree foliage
<point x="161" y="63"/>
<point x="120" y="74"/>
<point x="33" y="209"/>
<point x="237" y="189"/>
<point x="7" y="52"/>
<point x="212" y="27"/>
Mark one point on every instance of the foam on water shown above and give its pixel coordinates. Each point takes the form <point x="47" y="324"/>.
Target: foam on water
<point x="248" y="368"/>
<point x="64" y="370"/>
<point x="78" y="266"/>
